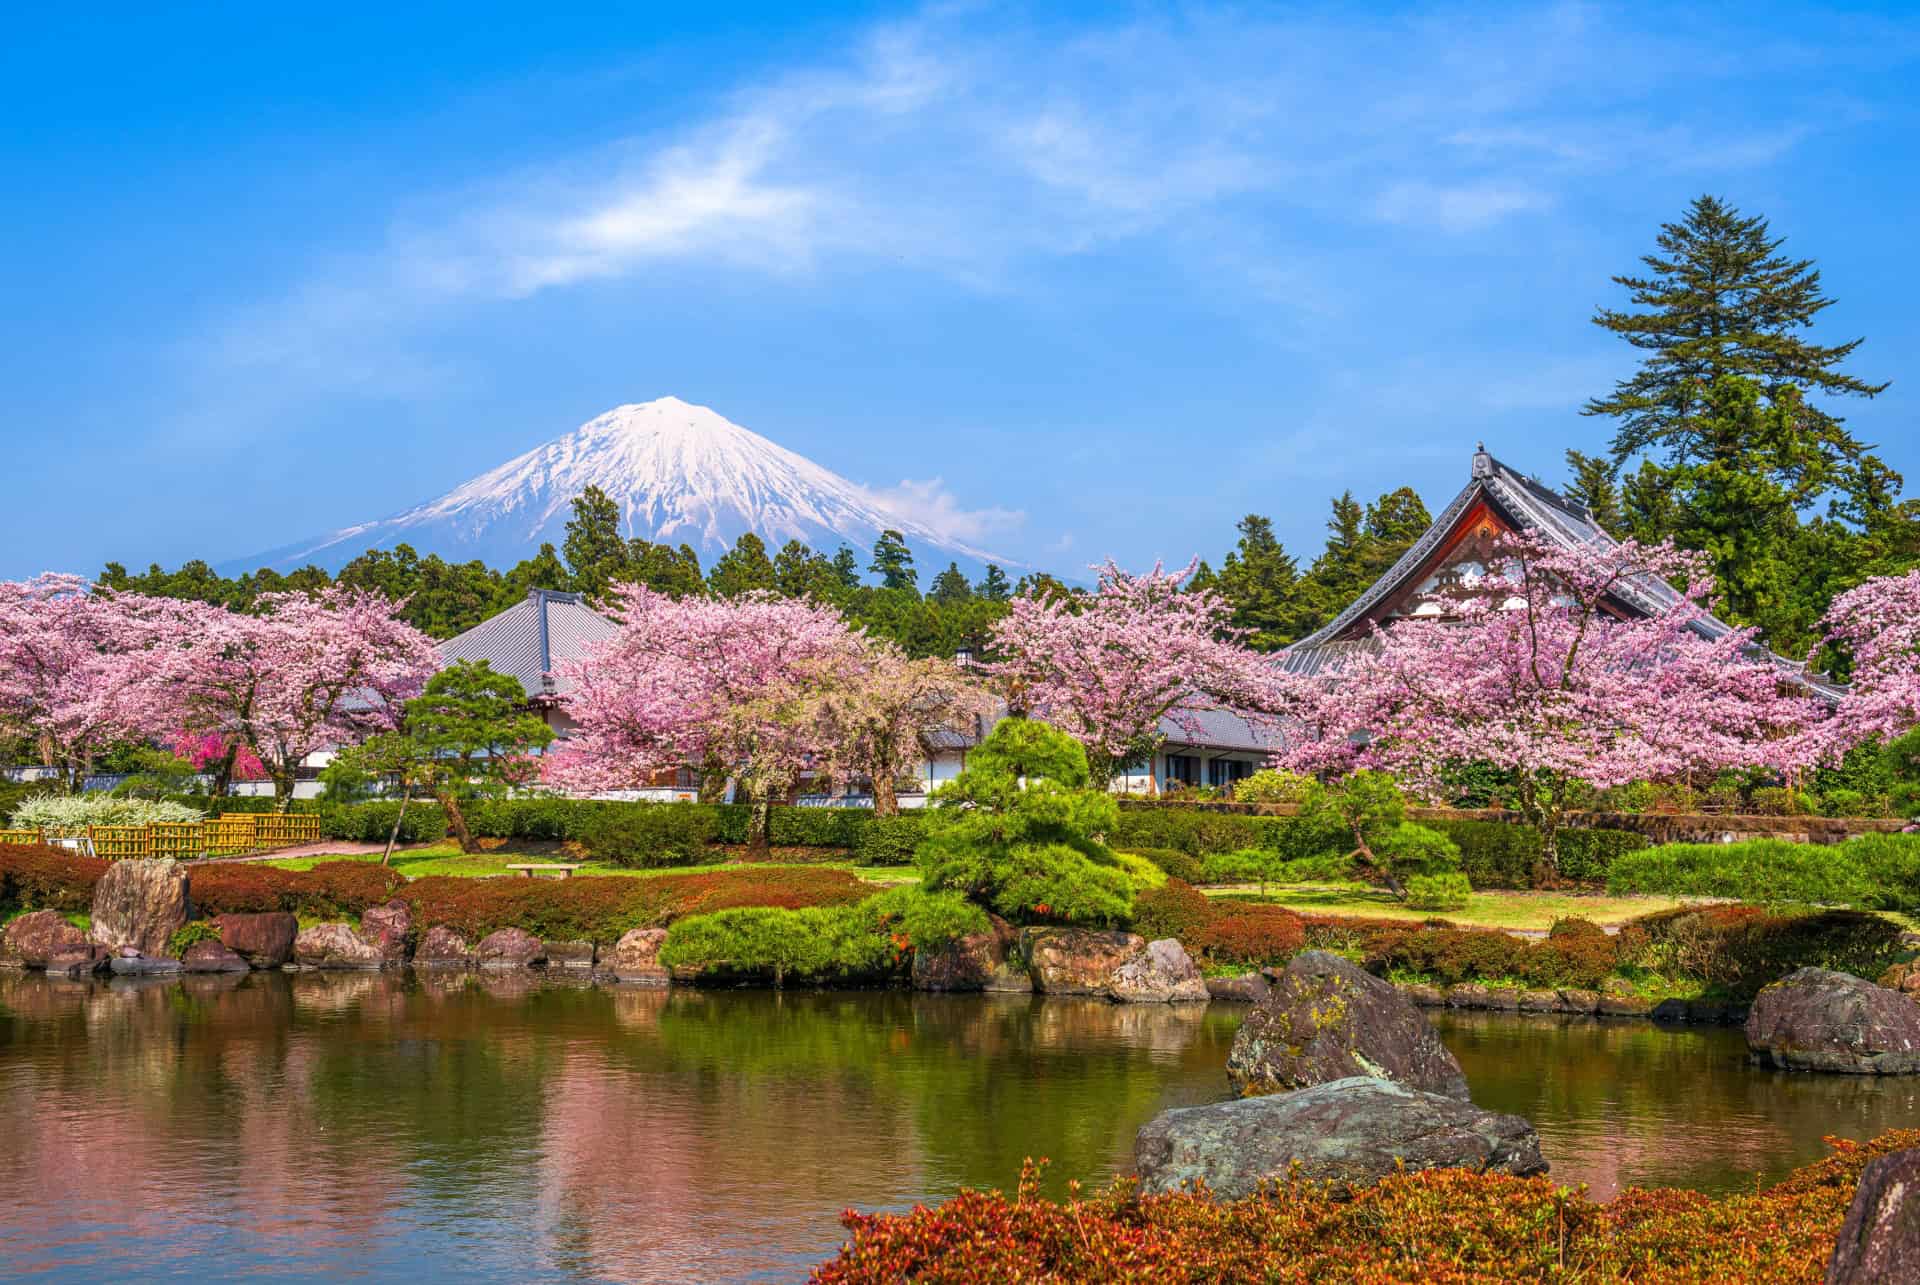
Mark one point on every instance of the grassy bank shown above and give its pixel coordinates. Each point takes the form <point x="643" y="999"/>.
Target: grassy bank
<point x="1511" y="911"/>
<point x="447" y="859"/>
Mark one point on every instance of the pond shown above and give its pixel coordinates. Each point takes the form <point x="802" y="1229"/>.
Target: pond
<point x="409" y="1127"/>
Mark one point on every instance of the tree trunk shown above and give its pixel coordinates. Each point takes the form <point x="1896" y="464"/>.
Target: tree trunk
<point x="457" y="821"/>
<point x="886" y="801"/>
<point x="760" y="835"/>
<point x="223" y="775"/>
<point x="713" y="780"/>
<point x="393" y="835"/>
<point x="282" y="789"/>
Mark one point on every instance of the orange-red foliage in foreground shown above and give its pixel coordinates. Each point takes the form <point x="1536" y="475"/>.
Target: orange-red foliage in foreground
<point x="1440" y="1227"/>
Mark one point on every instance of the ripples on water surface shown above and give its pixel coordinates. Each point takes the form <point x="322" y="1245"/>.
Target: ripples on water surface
<point x="394" y="1127"/>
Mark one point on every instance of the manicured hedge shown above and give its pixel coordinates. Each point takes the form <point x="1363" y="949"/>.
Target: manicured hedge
<point x="1500" y="854"/>
<point x="34" y="876"/>
<point x="1742" y="948"/>
<point x="1493" y="854"/>
<point x="1875" y="871"/>
<point x="332" y="889"/>
<point x="602" y="908"/>
<point x="1451" y="955"/>
<point x="1443" y="1225"/>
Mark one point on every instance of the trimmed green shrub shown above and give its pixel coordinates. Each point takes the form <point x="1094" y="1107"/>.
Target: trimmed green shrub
<point x="824" y="944"/>
<point x="648" y="835"/>
<point x="1891" y="864"/>
<point x="1176" y="864"/>
<point x="1499" y="854"/>
<point x="1198" y="833"/>
<point x="423" y="822"/>
<point x="889" y="841"/>
<point x="1439" y="892"/>
<point x="928" y="920"/>
<point x="1142" y="872"/>
<point x="1769" y="872"/>
<point x="1269" y="786"/>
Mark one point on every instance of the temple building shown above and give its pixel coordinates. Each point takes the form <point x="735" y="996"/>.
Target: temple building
<point x="1454" y="552"/>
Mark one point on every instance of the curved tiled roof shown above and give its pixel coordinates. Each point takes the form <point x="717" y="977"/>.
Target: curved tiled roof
<point x="532" y="636"/>
<point x="1527" y="505"/>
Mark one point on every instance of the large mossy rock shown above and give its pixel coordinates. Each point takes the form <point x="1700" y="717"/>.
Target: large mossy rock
<point x="1324" y="1019"/>
<point x="32" y="939"/>
<point x="141" y="904"/>
<point x="635" y="957"/>
<point x="1356" y="1131"/>
<point x="336" y="946"/>
<point x="387" y="928"/>
<point x="510" y="948"/>
<point x="264" y="940"/>
<point x="1814" y="1019"/>
<point x="442" y="947"/>
<point x="1879" y="1243"/>
<point x="1077" y="961"/>
<point x="1163" y="973"/>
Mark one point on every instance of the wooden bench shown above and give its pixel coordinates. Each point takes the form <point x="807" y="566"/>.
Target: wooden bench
<point x="564" y="871"/>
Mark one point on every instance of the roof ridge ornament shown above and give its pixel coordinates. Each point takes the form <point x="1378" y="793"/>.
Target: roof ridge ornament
<point x="1482" y="462"/>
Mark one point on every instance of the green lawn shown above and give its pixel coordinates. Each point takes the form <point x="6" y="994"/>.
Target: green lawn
<point x="447" y="859"/>
<point x="1511" y="910"/>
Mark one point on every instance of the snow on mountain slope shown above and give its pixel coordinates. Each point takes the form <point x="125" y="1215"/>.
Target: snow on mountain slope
<point x="679" y="472"/>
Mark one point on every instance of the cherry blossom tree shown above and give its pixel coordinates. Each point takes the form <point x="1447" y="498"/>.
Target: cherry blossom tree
<point x="1537" y="669"/>
<point x="226" y="758"/>
<point x="889" y="718"/>
<point x="730" y="685"/>
<point x="77" y="665"/>
<point x="302" y="673"/>
<point x="1877" y="626"/>
<point x="1108" y="666"/>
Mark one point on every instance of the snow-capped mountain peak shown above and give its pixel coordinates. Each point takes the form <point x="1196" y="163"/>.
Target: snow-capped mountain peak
<point x="680" y="473"/>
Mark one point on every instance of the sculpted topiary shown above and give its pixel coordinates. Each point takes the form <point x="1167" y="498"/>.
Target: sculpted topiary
<point x="1020" y="833"/>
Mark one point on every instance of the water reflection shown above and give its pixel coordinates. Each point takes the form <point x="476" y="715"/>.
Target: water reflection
<point x="481" y="1127"/>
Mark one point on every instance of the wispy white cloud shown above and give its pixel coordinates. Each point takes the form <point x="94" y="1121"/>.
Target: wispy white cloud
<point x="969" y="144"/>
<point x="1465" y="207"/>
<point x="935" y="507"/>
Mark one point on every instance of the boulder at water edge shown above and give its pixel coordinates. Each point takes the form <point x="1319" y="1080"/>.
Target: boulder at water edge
<point x="1076" y="961"/>
<point x="1247" y="988"/>
<point x="509" y="948"/>
<point x="386" y="927"/>
<point x="442" y="947"/>
<point x="31" y="940"/>
<point x="141" y="904"/>
<point x="636" y="957"/>
<point x="1880" y="1241"/>
<point x="1904" y="978"/>
<point x="574" y="955"/>
<point x="1814" y="1019"/>
<point x="1163" y="973"/>
<point x="78" y="961"/>
<point x="336" y="946"/>
<point x="263" y="940"/>
<point x="1325" y="1019"/>
<point x="212" y="957"/>
<point x="1357" y="1131"/>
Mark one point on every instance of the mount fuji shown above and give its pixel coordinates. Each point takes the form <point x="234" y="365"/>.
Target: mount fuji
<point x="680" y="473"/>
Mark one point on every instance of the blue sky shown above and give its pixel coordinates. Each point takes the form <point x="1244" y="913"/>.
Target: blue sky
<point x="1097" y="280"/>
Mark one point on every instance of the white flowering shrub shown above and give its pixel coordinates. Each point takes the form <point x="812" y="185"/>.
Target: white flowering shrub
<point x="77" y="811"/>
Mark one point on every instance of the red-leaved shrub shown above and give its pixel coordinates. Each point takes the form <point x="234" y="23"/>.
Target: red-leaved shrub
<point x="36" y="876"/>
<point x="1448" y="1226"/>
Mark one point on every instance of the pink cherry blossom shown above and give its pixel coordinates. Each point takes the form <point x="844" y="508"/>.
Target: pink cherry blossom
<point x="302" y="673"/>
<point x="1537" y="669"/>
<point x="1106" y="667"/>
<point x="721" y="683"/>
<point x="1878" y="625"/>
<point x="77" y="668"/>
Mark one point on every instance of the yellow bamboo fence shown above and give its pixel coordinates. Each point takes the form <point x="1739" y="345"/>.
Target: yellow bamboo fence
<point x="285" y="830"/>
<point x="119" y="842"/>
<point x="230" y="836"/>
<point x="180" y="839"/>
<point x="233" y="834"/>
